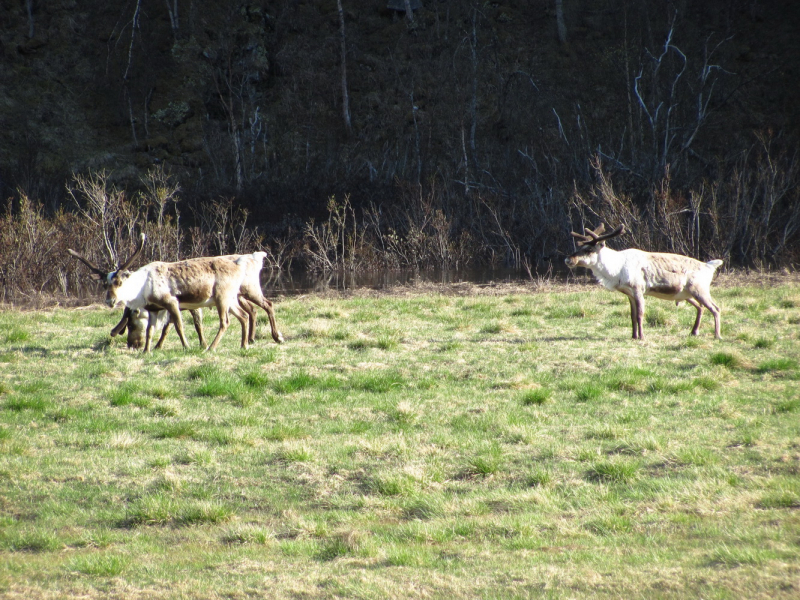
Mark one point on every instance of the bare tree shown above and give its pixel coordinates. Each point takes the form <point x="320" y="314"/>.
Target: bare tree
<point x="665" y="94"/>
<point x="345" y="96"/>
<point x="172" y="9"/>
<point x="409" y="12"/>
<point x="225" y="84"/>
<point x="31" y="28"/>
<point x="562" y="28"/>
<point x="125" y="80"/>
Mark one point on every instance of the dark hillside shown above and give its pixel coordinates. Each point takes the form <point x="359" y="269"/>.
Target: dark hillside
<point x="473" y="108"/>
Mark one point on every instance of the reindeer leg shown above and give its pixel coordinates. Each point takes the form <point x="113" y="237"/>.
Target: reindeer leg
<point x="174" y="310"/>
<point x="638" y="304"/>
<point x="634" y="322"/>
<point x="705" y="300"/>
<point x="197" y="317"/>
<point x="633" y="315"/>
<point x="224" y="321"/>
<point x="243" y="317"/>
<point x="163" y="336"/>
<point x="699" y="307"/>
<point x="267" y="306"/>
<point x="148" y="332"/>
<point x="252" y="318"/>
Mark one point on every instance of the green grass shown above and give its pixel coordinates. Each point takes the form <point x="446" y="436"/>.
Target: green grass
<point x="506" y="444"/>
<point x="778" y="364"/>
<point x="536" y="397"/>
<point x="726" y="359"/>
<point x="98" y="566"/>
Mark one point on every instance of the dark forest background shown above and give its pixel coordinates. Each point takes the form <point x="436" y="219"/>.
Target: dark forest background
<point x="350" y="134"/>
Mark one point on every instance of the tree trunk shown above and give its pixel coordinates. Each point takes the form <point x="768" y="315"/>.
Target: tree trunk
<point x="345" y="96"/>
<point x="172" y="9"/>
<point x="562" y="28"/>
<point x="31" y="28"/>
<point x="409" y="12"/>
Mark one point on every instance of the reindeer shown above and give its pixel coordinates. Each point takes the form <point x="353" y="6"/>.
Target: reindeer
<point x="136" y="322"/>
<point x="637" y="274"/>
<point x="188" y="284"/>
<point x="250" y="294"/>
<point x="251" y="288"/>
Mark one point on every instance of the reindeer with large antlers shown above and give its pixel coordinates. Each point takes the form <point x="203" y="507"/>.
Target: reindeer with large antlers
<point x="188" y="284"/>
<point x="637" y="274"/>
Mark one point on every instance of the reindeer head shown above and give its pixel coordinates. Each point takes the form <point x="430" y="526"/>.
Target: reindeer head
<point x="589" y="246"/>
<point x="111" y="280"/>
<point x="137" y="328"/>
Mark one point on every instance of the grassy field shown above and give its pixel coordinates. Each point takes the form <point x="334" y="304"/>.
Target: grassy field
<point x="497" y="442"/>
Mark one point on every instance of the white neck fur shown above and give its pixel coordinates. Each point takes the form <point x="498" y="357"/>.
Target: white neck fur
<point x="130" y="292"/>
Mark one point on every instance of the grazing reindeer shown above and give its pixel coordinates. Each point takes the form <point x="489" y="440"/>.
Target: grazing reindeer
<point x="638" y="274"/>
<point x="135" y="321"/>
<point x="188" y="284"/>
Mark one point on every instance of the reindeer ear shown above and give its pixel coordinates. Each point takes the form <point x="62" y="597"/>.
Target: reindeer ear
<point x="120" y="327"/>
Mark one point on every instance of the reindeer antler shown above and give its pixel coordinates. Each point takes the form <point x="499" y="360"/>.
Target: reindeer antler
<point x="618" y="231"/>
<point x="142" y="238"/>
<point x="592" y="235"/>
<point x="98" y="273"/>
<point x="592" y="238"/>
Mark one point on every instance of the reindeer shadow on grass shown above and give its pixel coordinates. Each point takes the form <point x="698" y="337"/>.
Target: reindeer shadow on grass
<point x="33" y="351"/>
<point x="564" y="338"/>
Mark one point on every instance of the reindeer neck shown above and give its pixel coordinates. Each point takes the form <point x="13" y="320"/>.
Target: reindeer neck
<point x="131" y="289"/>
<point x="609" y="267"/>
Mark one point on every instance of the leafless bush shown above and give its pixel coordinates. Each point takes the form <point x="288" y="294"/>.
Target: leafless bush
<point x="663" y="220"/>
<point x="222" y="229"/>
<point x="422" y="235"/>
<point x="158" y="199"/>
<point x="415" y="234"/>
<point x="756" y="207"/>
<point x="339" y="242"/>
<point x="26" y="237"/>
<point x="749" y="216"/>
<point x="114" y="216"/>
<point x="106" y="210"/>
<point x="281" y="252"/>
<point x="602" y="203"/>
